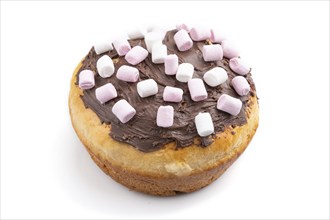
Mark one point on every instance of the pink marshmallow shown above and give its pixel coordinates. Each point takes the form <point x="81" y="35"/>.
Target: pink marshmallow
<point x="183" y="27"/>
<point x="86" y="79"/>
<point x="216" y="37"/>
<point x="136" y="55"/>
<point x="182" y="40"/>
<point x="128" y="73"/>
<point x="229" y="50"/>
<point x="165" y="115"/>
<point x="241" y="85"/>
<point x="238" y="66"/>
<point x="197" y="89"/>
<point x="200" y="33"/>
<point x="171" y="63"/>
<point x="122" y="46"/>
<point x="123" y="111"/>
<point x="172" y="94"/>
<point x="105" y="93"/>
<point x="212" y="52"/>
<point x="229" y="104"/>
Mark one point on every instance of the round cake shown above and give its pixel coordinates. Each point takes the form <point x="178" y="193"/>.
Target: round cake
<point x="164" y="111"/>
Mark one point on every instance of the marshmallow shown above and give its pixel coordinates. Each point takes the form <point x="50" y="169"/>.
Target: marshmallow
<point x="197" y="89"/>
<point x="136" y="55"/>
<point x="105" y="66"/>
<point x="159" y="52"/>
<point x="185" y="72"/>
<point x="147" y="88"/>
<point x="105" y="93"/>
<point x="172" y="94"/>
<point x="165" y="115"/>
<point x="137" y="33"/>
<point x="200" y="33"/>
<point x="182" y="40"/>
<point x="238" y="66"/>
<point x="128" y="73"/>
<point x="204" y="124"/>
<point x="229" y="49"/>
<point x="229" y="104"/>
<point x="152" y="38"/>
<point x="240" y="85"/>
<point x="216" y="36"/>
<point x="102" y="47"/>
<point x="86" y="79"/>
<point x="183" y="27"/>
<point x="215" y="76"/>
<point x="212" y="52"/>
<point x="161" y="30"/>
<point x="122" y="46"/>
<point x="171" y="63"/>
<point x="123" y="111"/>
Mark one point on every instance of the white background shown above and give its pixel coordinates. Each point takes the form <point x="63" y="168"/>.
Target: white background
<point x="47" y="173"/>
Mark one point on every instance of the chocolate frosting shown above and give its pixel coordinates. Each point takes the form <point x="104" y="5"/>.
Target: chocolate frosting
<point x="142" y="131"/>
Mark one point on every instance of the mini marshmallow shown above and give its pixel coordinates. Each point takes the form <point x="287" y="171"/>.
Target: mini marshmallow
<point x="123" y="111"/>
<point x="105" y="93"/>
<point x="185" y="72"/>
<point x="229" y="104"/>
<point x="86" y="79"/>
<point x="212" y="52"/>
<point x="172" y="94"/>
<point x="238" y="66"/>
<point x="136" y="55"/>
<point x="171" y="63"/>
<point x="152" y="38"/>
<point x="229" y="49"/>
<point x="216" y="36"/>
<point x="159" y="52"/>
<point x="241" y="85"/>
<point x="137" y="33"/>
<point x="105" y="66"/>
<point x="215" y="76"/>
<point x="183" y="27"/>
<point x="182" y="40"/>
<point x="128" y="73"/>
<point x="204" y="124"/>
<point x="200" y="33"/>
<point x="147" y="88"/>
<point x="122" y="46"/>
<point x="161" y="30"/>
<point x="165" y="115"/>
<point x="197" y="89"/>
<point x="102" y="47"/>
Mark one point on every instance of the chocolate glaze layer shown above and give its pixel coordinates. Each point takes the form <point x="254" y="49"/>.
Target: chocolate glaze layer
<point x="142" y="131"/>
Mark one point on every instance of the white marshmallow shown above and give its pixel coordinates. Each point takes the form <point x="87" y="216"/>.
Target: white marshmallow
<point x="159" y="52"/>
<point x="215" y="76"/>
<point x="102" y="47"/>
<point x="147" y="88"/>
<point x="105" y="66"/>
<point x="123" y="111"/>
<point x="204" y="124"/>
<point x="151" y="39"/>
<point x="185" y="72"/>
<point x="137" y="33"/>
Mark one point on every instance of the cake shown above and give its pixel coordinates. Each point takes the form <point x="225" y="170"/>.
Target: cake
<point x="164" y="112"/>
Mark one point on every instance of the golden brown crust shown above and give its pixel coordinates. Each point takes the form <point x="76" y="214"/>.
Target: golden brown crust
<point x="166" y="171"/>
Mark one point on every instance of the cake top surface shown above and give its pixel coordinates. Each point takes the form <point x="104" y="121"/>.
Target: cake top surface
<point x="151" y="117"/>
